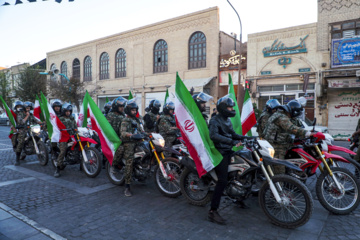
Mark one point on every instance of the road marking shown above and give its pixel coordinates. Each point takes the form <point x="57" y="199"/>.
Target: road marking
<point x="61" y="182"/>
<point x="5" y="149"/>
<point x="16" y="181"/>
<point x="6" y="144"/>
<point x="32" y="223"/>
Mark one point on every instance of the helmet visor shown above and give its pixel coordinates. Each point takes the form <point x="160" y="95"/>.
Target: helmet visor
<point x="203" y="97"/>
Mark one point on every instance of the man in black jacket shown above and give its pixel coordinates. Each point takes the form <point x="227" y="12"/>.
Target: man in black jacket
<point x="224" y="138"/>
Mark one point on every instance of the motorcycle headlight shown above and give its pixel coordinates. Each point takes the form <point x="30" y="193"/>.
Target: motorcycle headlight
<point x="35" y="129"/>
<point x="162" y="142"/>
<point x="271" y="152"/>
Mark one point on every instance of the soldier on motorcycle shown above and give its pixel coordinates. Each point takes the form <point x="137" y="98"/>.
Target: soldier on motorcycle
<point x="271" y="107"/>
<point x="167" y="125"/>
<point x="224" y="138"/>
<point x="115" y="117"/>
<point x="29" y="107"/>
<point x="129" y="126"/>
<point x="21" y="117"/>
<point x="201" y="99"/>
<point x="69" y="121"/>
<point x="56" y="106"/>
<point x="152" y="116"/>
<point x="356" y="135"/>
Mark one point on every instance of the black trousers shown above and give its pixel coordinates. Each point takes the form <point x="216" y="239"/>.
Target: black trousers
<point x="222" y="174"/>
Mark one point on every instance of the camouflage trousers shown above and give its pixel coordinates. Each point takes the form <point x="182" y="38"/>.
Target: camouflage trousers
<point x="169" y="142"/>
<point x="280" y="152"/>
<point x="20" y="141"/>
<point x="129" y="150"/>
<point x="14" y="140"/>
<point x="119" y="154"/>
<point x="61" y="156"/>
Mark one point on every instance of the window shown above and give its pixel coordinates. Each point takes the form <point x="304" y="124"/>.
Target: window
<point x="76" y="69"/>
<point x="87" y="68"/>
<point x="120" y="63"/>
<point x="104" y="66"/>
<point x="197" y="50"/>
<point x="63" y="71"/>
<point x="160" y="57"/>
<point x="345" y="30"/>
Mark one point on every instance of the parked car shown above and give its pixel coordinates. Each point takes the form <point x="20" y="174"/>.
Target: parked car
<point x="4" y="120"/>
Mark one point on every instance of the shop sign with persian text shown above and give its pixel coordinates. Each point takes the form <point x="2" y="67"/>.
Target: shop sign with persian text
<point x="279" y="48"/>
<point x="345" y="52"/>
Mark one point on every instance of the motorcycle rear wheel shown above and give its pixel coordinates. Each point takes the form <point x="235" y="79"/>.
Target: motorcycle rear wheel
<point x="169" y="187"/>
<point x="297" y="204"/>
<point x="115" y="175"/>
<point x="43" y="155"/>
<point x="93" y="167"/>
<point x="189" y="183"/>
<point x="331" y="198"/>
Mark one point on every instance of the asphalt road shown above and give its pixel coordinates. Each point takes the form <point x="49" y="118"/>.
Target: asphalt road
<point x="35" y="205"/>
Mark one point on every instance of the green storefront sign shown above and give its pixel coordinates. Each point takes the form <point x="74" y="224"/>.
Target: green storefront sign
<point x="304" y="69"/>
<point x="278" y="48"/>
<point x="265" y="72"/>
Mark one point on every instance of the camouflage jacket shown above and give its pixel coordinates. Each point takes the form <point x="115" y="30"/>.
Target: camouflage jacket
<point x="279" y="127"/>
<point x="165" y="124"/>
<point x="20" y="116"/>
<point x="69" y="123"/>
<point x="32" y="120"/>
<point x="150" y="122"/>
<point x="264" y="117"/>
<point x="115" y="120"/>
<point x="129" y="126"/>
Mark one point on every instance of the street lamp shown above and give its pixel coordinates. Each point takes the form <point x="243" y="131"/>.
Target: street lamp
<point x="240" y="88"/>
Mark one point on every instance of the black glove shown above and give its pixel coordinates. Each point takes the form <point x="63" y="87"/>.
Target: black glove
<point x="235" y="142"/>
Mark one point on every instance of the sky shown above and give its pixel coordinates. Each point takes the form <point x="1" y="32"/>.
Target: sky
<point x="29" y="30"/>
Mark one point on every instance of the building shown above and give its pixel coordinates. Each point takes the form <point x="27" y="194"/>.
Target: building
<point x="12" y="75"/>
<point x="145" y="60"/>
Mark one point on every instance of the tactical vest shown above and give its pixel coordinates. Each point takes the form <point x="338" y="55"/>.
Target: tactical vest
<point x="273" y="133"/>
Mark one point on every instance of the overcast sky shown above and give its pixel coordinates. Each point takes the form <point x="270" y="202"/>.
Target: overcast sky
<point x="29" y="30"/>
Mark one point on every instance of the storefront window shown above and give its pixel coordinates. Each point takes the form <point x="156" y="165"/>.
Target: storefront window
<point x="287" y="98"/>
<point x="292" y="87"/>
<point x="278" y="88"/>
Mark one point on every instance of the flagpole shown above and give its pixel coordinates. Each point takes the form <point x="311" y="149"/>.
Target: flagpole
<point x="240" y="88"/>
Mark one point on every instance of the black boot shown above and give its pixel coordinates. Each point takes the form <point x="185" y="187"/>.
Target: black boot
<point x="214" y="216"/>
<point x="127" y="191"/>
<point x="57" y="172"/>
<point x="17" y="163"/>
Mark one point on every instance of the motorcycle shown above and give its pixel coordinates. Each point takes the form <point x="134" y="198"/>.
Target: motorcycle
<point x="80" y="152"/>
<point x="354" y="145"/>
<point x="34" y="144"/>
<point x="148" y="150"/>
<point x="285" y="200"/>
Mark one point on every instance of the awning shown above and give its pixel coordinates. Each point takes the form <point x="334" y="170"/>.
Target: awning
<point x="337" y="83"/>
<point x="198" y="85"/>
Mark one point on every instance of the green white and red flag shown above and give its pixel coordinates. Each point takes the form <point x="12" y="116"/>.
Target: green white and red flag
<point x="53" y="123"/>
<point x="194" y="130"/>
<point x="236" y="121"/>
<point x="84" y="113"/>
<point x="109" y="140"/>
<point x="37" y="109"/>
<point x="11" y="115"/>
<point x="166" y="96"/>
<point x="248" y="119"/>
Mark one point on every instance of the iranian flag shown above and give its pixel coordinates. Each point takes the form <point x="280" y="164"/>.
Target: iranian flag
<point x="108" y="137"/>
<point x="37" y="109"/>
<point x="53" y="123"/>
<point x="194" y="130"/>
<point x="11" y="115"/>
<point x="82" y="120"/>
<point x="236" y="121"/>
<point x="166" y="96"/>
<point x="248" y="119"/>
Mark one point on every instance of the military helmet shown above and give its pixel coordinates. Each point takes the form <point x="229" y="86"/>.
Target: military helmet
<point x="294" y="108"/>
<point x="18" y="103"/>
<point x="131" y="104"/>
<point x="222" y="105"/>
<point x="118" y="102"/>
<point x="107" y="106"/>
<point x="66" y="107"/>
<point x="154" y="106"/>
<point x="29" y="104"/>
<point x="272" y="104"/>
<point x="168" y="106"/>
<point x="200" y="98"/>
<point x="56" y="103"/>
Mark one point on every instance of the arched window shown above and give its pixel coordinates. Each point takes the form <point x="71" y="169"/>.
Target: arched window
<point x="104" y="66"/>
<point x="52" y="68"/>
<point x="197" y="50"/>
<point x="120" y="63"/>
<point x="76" y="69"/>
<point x="64" y="71"/>
<point x="87" y="68"/>
<point x="160" y="56"/>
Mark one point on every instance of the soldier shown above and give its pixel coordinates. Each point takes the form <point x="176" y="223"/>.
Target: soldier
<point x="271" y="107"/>
<point x="152" y="116"/>
<point x="355" y="137"/>
<point x="129" y="126"/>
<point x="167" y="125"/>
<point x="279" y="127"/>
<point x="115" y="118"/>
<point x="56" y="106"/>
<point x="29" y="107"/>
<point x="21" y="117"/>
<point x="107" y="108"/>
<point x="68" y="120"/>
<point x="201" y="99"/>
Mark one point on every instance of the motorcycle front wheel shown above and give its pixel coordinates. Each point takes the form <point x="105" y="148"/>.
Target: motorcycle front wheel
<point x="93" y="167"/>
<point x="116" y="175"/>
<point x="296" y="206"/>
<point x="43" y="155"/>
<point x="169" y="187"/>
<point x="195" y="190"/>
<point x="338" y="201"/>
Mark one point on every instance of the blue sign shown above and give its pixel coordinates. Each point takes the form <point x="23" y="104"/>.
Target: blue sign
<point x="345" y="52"/>
<point x="304" y="69"/>
<point x="265" y="72"/>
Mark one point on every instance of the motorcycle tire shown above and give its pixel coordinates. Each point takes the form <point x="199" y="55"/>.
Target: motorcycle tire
<point x="93" y="167"/>
<point x="189" y="183"/>
<point x="353" y="166"/>
<point x="331" y="199"/>
<point x="297" y="204"/>
<point x="115" y="175"/>
<point x="169" y="187"/>
<point x="353" y="148"/>
<point x="43" y="155"/>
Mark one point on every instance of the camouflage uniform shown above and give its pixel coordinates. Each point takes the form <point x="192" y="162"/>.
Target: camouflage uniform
<point x="264" y="117"/>
<point x="115" y="120"/>
<point x="150" y="118"/>
<point x="21" y="132"/>
<point x="166" y="122"/>
<point x="129" y="126"/>
<point x="69" y="122"/>
<point x="14" y="136"/>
